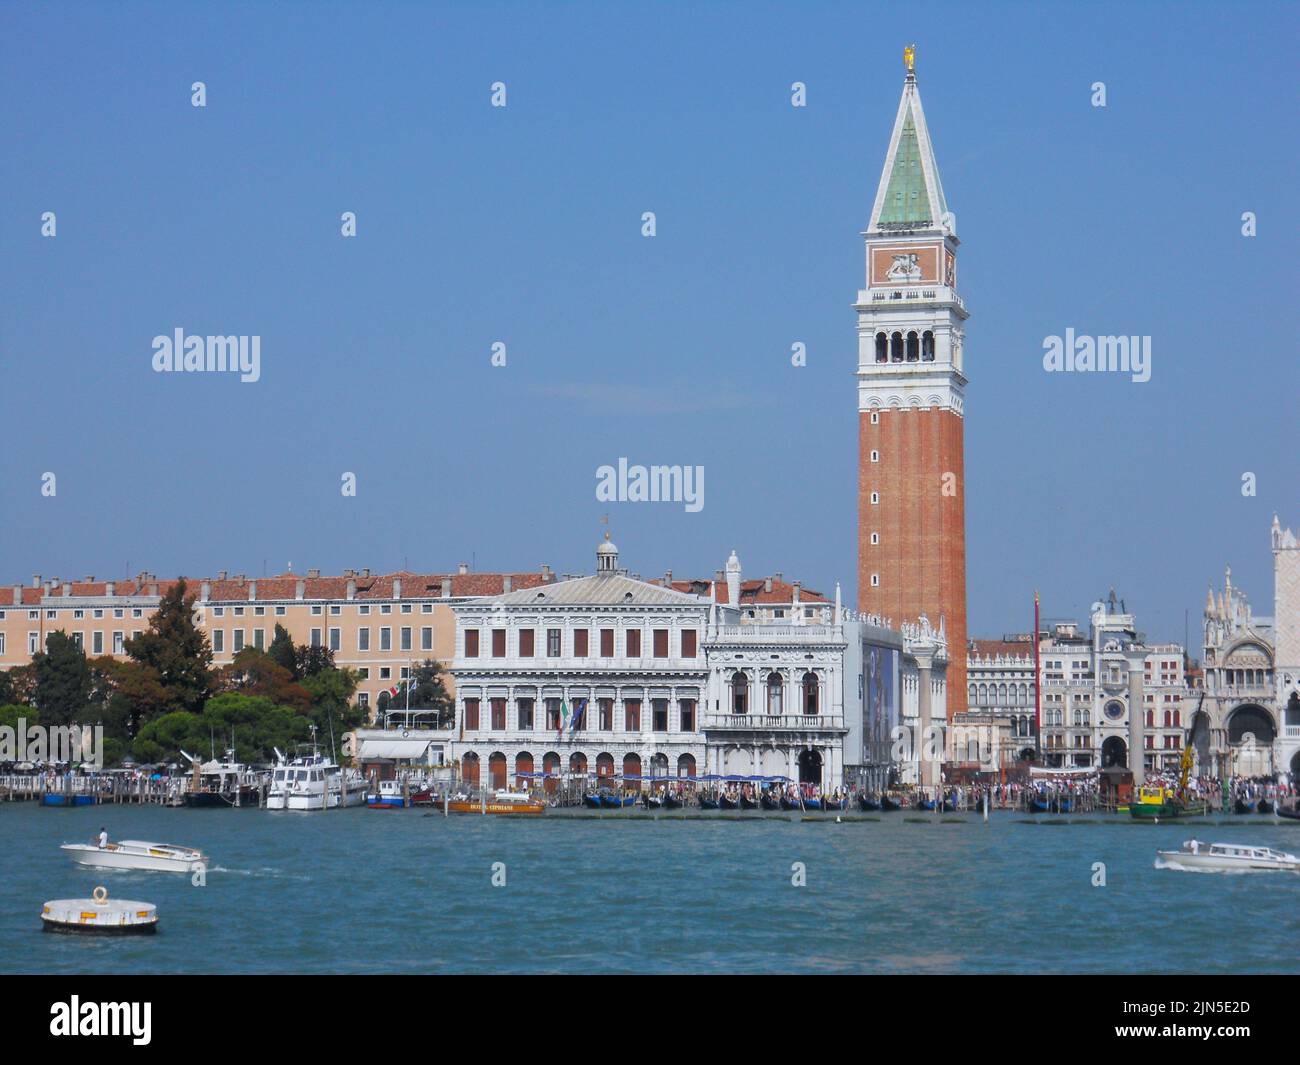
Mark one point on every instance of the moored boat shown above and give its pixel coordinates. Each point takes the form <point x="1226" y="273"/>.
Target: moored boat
<point x="310" y="781"/>
<point x="54" y="798"/>
<point x="500" y="801"/>
<point x="1291" y="814"/>
<point x="865" y="803"/>
<point x="672" y="802"/>
<point x="1264" y="806"/>
<point x="1227" y="857"/>
<point x="726" y="802"/>
<point x="138" y="854"/>
<point x="592" y="801"/>
<point x="788" y="803"/>
<point x="886" y="803"/>
<point x="1156" y="803"/>
<point x="708" y="804"/>
<point x="746" y="803"/>
<point x="1241" y="806"/>
<point x="617" y="802"/>
<point x="768" y="802"/>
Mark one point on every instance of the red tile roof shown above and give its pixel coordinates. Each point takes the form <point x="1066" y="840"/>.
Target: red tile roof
<point x="285" y="587"/>
<point x="751" y="592"/>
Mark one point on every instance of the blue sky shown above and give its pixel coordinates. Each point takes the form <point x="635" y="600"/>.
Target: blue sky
<point x="522" y="225"/>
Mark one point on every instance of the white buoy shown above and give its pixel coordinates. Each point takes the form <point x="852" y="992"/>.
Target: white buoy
<point x="97" y="915"/>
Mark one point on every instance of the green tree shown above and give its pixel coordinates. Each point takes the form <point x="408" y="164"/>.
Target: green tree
<point x="63" y="680"/>
<point x="281" y="651"/>
<point x="12" y="713"/>
<point x="428" y="692"/>
<point x="310" y="660"/>
<point x="254" y="672"/>
<point x="178" y="650"/>
<point x="256" y="723"/>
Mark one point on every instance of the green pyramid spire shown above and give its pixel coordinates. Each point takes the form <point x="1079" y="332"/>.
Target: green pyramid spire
<point x="910" y="193"/>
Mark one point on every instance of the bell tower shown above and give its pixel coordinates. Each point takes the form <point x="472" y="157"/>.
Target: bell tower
<point x="911" y="392"/>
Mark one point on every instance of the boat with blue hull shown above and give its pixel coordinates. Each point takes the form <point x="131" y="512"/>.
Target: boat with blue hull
<point x="61" y="800"/>
<point x="868" y="804"/>
<point x="925" y="804"/>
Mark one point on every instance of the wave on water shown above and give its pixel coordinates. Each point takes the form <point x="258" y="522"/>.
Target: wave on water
<point x="265" y="871"/>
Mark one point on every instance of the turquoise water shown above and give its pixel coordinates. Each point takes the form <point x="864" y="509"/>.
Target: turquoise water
<point x="405" y="891"/>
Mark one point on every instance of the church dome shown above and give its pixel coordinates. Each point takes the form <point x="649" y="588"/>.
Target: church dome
<point x="606" y="556"/>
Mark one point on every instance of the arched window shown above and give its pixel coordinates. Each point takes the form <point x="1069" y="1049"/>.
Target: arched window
<point x="896" y="347"/>
<point x="882" y="347"/>
<point x="810" y="693"/>
<point x="927" y="346"/>
<point x="1151" y="719"/>
<point x="775" y="688"/>
<point x="913" y="346"/>
<point x="739" y="693"/>
<point x="984" y="695"/>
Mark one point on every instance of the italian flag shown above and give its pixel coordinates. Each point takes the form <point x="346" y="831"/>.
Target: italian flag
<point x="564" y="713"/>
<point x="393" y="692"/>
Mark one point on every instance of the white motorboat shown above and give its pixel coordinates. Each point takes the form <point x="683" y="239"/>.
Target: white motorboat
<point x="138" y="854"/>
<point x="310" y="781"/>
<point x="1226" y="858"/>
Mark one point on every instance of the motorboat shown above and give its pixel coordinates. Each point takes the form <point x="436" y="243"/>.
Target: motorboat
<point x="1226" y="858"/>
<point x="224" y="783"/>
<point x="310" y="781"/>
<point x="138" y="854"/>
<point x="388" y="796"/>
<point x="500" y="801"/>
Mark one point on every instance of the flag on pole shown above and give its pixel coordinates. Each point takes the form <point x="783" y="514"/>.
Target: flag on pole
<point x="578" y="713"/>
<point x="564" y="714"/>
<point x="393" y="692"/>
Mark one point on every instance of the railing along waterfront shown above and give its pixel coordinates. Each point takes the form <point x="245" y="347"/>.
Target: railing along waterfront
<point x="115" y="788"/>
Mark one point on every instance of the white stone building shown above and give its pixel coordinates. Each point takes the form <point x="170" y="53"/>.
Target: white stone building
<point x="611" y="675"/>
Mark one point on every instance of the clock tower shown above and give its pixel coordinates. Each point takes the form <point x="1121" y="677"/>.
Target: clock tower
<point x="911" y="393"/>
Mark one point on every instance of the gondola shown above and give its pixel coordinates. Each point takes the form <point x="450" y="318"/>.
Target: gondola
<point x="1038" y="806"/>
<point x="1264" y="807"/>
<point x="746" y="803"/>
<point x="768" y="803"/>
<point x="925" y="804"/>
<point x="812" y="804"/>
<point x="671" y="802"/>
<point x="788" y="803"/>
<point x="653" y="802"/>
<point x="726" y="802"/>
<point x="1240" y="806"/>
<point x="867" y="804"/>
<point x="838" y="805"/>
<point x="1290" y="815"/>
<point x="708" y="804"/>
<point x="949" y="807"/>
<point x="1064" y="806"/>
<point x="886" y="803"/>
<point x="617" y="801"/>
<point x="592" y="800"/>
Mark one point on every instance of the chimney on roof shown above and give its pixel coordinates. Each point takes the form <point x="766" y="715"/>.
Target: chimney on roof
<point x="45" y="589"/>
<point x="767" y="584"/>
<point x="463" y="568"/>
<point x="153" y="590"/>
<point x="222" y="574"/>
<point x="507" y="583"/>
<point x="546" y="573"/>
<point x="67" y="588"/>
<point x="352" y="588"/>
<point x="313" y="573"/>
<point x="252" y="590"/>
<point x="796" y="593"/>
<point x="36" y="580"/>
<point x="18" y="595"/>
<point x="110" y="588"/>
<point x="397" y="587"/>
<point x="90" y="578"/>
<point x="719" y="576"/>
<point x="300" y="588"/>
<point x="205" y="591"/>
<point x="777" y="576"/>
<point x="366" y="572"/>
<point x="668" y="578"/>
<point x="446" y="587"/>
